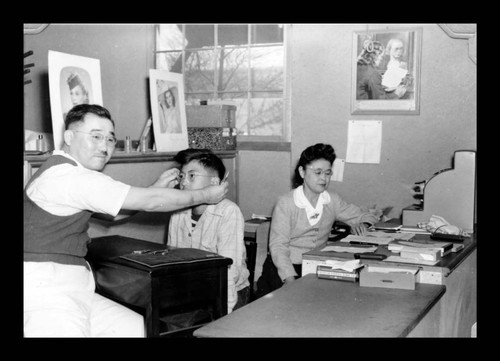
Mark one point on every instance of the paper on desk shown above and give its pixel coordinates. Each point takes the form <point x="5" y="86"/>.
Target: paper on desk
<point x="374" y="239"/>
<point x="348" y="266"/>
<point x="349" y="249"/>
<point x="403" y="236"/>
<point x="364" y="141"/>
<point x="258" y="216"/>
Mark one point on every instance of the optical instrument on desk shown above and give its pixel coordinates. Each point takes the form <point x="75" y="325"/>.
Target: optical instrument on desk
<point x="450" y="193"/>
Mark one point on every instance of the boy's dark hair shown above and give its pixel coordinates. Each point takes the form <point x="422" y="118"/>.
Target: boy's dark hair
<point x="205" y="157"/>
<point x="309" y="155"/>
<point x="78" y="112"/>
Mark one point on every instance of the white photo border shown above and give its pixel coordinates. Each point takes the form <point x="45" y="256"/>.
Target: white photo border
<point x="60" y="66"/>
<point x="160" y="80"/>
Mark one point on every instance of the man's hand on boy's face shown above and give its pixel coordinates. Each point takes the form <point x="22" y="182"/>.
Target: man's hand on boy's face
<point x="168" y="179"/>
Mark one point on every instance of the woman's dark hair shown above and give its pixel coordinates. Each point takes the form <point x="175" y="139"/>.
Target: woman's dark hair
<point x="173" y="97"/>
<point x="78" y="112"/>
<point x="205" y="157"/>
<point x="309" y="155"/>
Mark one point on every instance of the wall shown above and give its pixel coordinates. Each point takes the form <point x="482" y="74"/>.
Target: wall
<point x="263" y="176"/>
<point x="151" y="226"/>
<point x="125" y="54"/>
<point x="414" y="147"/>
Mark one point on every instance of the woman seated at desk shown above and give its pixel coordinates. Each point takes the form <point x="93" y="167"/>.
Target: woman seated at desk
<point x="303" y="218"/>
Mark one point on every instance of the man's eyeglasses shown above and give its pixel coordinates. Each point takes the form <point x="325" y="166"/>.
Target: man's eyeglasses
<point x="97" y="138"/>
<point x="190" y="176"/>
<point x="319" y="172"/>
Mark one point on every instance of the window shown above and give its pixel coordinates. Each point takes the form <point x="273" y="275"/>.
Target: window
<point x="241" y="64"/>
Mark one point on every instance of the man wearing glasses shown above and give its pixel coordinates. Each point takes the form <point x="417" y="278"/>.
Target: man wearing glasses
<point x="59" y="288"/>
<point x="217" y="228"/>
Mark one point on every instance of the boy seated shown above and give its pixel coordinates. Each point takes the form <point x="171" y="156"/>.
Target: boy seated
<point x="217" y="228"/>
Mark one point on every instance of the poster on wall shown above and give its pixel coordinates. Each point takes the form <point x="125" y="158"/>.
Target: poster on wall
<point x="168" y="110"/>
<point x="73" y="80"/>
<point x="386" y="71"/>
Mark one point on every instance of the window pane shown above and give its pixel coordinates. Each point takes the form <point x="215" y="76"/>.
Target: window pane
<point x="241" y="102"/>
<point x="265" y="34"/>
<point x="171" y="61"/>
<point x="199" y="36"/>
<point x="266" y="115"/>
<point x="250" y="75"/>
<point x="233" y="72"/>
<point x="169" y="37"/>
<point x="267" y="68"/>
<point x="195" y="99"/>
<point x="199" y="71"/>
<point x="233" y="34"/>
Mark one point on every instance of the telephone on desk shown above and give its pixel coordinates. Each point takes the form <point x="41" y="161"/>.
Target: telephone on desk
<point x="339" y="230"/>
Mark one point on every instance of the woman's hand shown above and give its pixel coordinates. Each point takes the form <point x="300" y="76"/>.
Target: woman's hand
<point x="359" y="229"/>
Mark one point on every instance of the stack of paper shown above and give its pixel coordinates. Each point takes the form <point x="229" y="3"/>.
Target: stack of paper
<point x="349" y="248"/>
<point x="340" y="270"/>
<point x="421" y="246"/>
<point x="372" y="238"/>
<point x="348" y="266"/>
<point x="424" y="252"/>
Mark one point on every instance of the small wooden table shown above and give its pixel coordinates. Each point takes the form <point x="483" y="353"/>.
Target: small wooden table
<point x="312" y="307"/>
<point x="157" y="291"/>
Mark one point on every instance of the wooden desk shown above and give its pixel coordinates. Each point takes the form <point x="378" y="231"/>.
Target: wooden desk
<point x="312" y="307"/>
<point x="159" y="291"/>
<point x="456" y="312"/>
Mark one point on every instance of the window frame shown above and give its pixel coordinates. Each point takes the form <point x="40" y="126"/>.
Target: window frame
<point x="249" y="142"/>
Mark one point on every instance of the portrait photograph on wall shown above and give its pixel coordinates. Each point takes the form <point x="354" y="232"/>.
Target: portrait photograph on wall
<point x="73" y="80"/>
<point x="386" y="71"/>
<point x="168" y="110"/>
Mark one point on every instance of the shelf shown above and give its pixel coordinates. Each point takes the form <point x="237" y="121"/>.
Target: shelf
<point x="132" y="157"/>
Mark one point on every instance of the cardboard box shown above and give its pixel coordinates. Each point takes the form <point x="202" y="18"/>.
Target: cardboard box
<point x="217" y="116"/>
<point x="212" y="138"/>
<point x="388" y="277"/>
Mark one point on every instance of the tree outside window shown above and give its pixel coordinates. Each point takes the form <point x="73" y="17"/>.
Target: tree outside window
<point x="238" y="63"/>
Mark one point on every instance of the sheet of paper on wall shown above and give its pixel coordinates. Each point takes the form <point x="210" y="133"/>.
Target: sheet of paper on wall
<point x="338" y="170"/>
<point x="364" y="141"/>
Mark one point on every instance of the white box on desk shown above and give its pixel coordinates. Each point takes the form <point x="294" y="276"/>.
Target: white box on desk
<point x="386" y="277"/>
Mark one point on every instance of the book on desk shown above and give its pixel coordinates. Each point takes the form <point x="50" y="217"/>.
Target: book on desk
<point x="421" y="246"/>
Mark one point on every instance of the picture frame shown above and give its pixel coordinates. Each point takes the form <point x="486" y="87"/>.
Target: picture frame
<point x="396" y="87"/>
<point x="73" y="79"/>
<point x="168" y="110"/>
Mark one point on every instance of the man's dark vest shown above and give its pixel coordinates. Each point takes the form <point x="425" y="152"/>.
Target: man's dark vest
<point x="51" y="238"/>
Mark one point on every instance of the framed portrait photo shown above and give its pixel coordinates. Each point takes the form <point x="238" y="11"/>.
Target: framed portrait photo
<point x="73" y="80"/>
<point x="168" y="110"/>
<point x="386" y="71"/>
